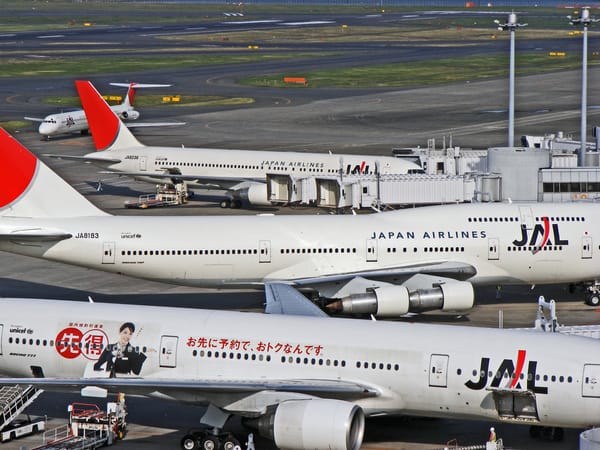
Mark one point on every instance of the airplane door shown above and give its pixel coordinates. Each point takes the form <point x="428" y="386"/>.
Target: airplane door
<point x="264" y="251"/>
<point x="143" y="163"/>
<point x="168" y="351"/>
<point x="526" y="216"/>
<point x="586" y="247"/>
<point x="591" y="380"/>
<point x="108" y="253"/>
<point x="438" y="371"/>
<point x="1" y="337"/>
<point x="371" y="250"/>
<point x="493" y="251"/>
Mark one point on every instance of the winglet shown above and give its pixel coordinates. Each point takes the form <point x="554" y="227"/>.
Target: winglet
<point x="28" y="188"/>
<point x="107" y="129"/>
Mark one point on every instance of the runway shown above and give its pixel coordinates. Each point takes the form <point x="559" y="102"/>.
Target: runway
<point x="470" y="114"/>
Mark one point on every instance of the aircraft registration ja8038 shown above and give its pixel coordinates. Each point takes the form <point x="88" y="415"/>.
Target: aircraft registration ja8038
<point x="385" y="264"/>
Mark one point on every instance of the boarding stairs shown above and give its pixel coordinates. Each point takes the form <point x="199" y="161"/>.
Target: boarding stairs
<point x="547" y="321"/>
<point x="13" y="401"/>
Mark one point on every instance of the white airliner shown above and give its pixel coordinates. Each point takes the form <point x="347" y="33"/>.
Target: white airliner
<point x="241" y="172"/>
<point x="73" y="121"/>
<point x="305" y="382"/>
<point x="385" y="264"/>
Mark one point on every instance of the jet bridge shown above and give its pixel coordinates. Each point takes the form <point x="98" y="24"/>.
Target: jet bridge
<point x="367" y="191"/>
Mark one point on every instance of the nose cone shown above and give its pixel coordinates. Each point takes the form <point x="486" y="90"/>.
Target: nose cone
<point x="47" y="128"/>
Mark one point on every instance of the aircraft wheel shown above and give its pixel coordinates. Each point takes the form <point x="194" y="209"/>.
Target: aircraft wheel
<point x="593" y="299"/>
<point x="189" y="442"/>
<point x="556" y="434"/>
<point x="210" y="443"/>
<point x="535" y="431"/>
<point x="236" y="204"/>
<point x="230" y="443"/>
<point x="225" y="203"/>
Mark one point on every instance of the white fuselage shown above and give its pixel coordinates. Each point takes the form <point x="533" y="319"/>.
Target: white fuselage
<point x="72" y="121"/>
<point x="504" y="243"/>
<point x="416" y="369"/>
<point x="250" y="165"/>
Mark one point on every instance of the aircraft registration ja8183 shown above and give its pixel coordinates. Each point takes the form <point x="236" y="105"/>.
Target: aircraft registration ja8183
<point x="386" y="264"/>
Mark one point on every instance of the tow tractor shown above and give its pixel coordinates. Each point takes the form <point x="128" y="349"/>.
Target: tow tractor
<point x="89" y="427"/>
<point x="166" y="195"/>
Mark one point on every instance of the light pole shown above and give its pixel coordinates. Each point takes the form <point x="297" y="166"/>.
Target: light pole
<point x="585" y="20"/>
<point x="511" y="25"/>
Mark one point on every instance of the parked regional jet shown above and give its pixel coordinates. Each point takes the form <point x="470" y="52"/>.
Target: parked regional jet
<point x="305" y="382"/>
<point x="385" y="264"/>
<point x="72" y="121"/>
<point x="241" y="172"/>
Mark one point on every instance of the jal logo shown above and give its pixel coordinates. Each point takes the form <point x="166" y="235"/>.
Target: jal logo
<point x="358" y="169"/>
<point x="541" y="235"/>
<point x="512" y="373"/>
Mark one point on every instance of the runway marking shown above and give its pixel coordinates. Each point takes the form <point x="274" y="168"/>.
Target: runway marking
<point x="51" y="36"/>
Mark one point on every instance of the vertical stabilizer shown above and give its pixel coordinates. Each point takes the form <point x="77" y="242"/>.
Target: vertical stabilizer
<point x="28" y="188"/>
<point x="108" y="131"/>
<point x="130" y="97"/>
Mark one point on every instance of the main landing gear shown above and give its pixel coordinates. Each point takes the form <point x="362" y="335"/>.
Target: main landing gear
<point x="207" y="440"/>
<point x="554" y="434"/>
<point x="592" y="297"/>
<point x="231" y="203"/>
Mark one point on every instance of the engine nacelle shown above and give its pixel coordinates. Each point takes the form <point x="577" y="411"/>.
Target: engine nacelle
<point x="256" y="195"/>
<point x="394" y="301"/>
<point x="132" y="114"/>
<point x="314" y="424"/>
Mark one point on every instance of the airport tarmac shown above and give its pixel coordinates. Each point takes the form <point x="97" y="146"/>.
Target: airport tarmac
<point x="472" y="113"/>
<point x="162" y="426"/>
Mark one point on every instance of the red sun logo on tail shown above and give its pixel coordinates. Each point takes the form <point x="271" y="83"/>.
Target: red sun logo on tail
<point x="17" y="169"/>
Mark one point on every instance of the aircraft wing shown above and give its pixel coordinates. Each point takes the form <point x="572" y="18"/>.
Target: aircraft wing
<point x="34" y="235"/>
<point x="285" y="299"/>
<point x="86" y="159"/>
<point x="153" y="124"/>
<point x="208" y="181"/>
<point x="450" y="269"/>
<point x="194" y="388"/>
<point x="34" y="119"/>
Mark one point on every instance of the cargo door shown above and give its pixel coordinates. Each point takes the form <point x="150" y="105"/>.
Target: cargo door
<point x="591" y="380"/>
<point x="168" y="351"/>
<point x="108" y="253"/>
<point x="438" y="370"/>
<point x="586" y="247"/>
<point x="371" y="250"/>
<point x="493" y="251"/>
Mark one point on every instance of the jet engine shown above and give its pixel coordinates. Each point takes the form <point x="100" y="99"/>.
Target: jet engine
<point x="393" y="301"/>
<point x="256" y="195"/>
<point x="313" y="423"/>
<point x="129" y="115"/>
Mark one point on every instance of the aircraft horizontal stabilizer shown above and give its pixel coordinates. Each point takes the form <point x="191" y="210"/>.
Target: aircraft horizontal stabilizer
<point x="140" y="85"/>
<point x="153" y="124"/>
<point x="35" y="235"/>
<point x="87" y="159"/>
